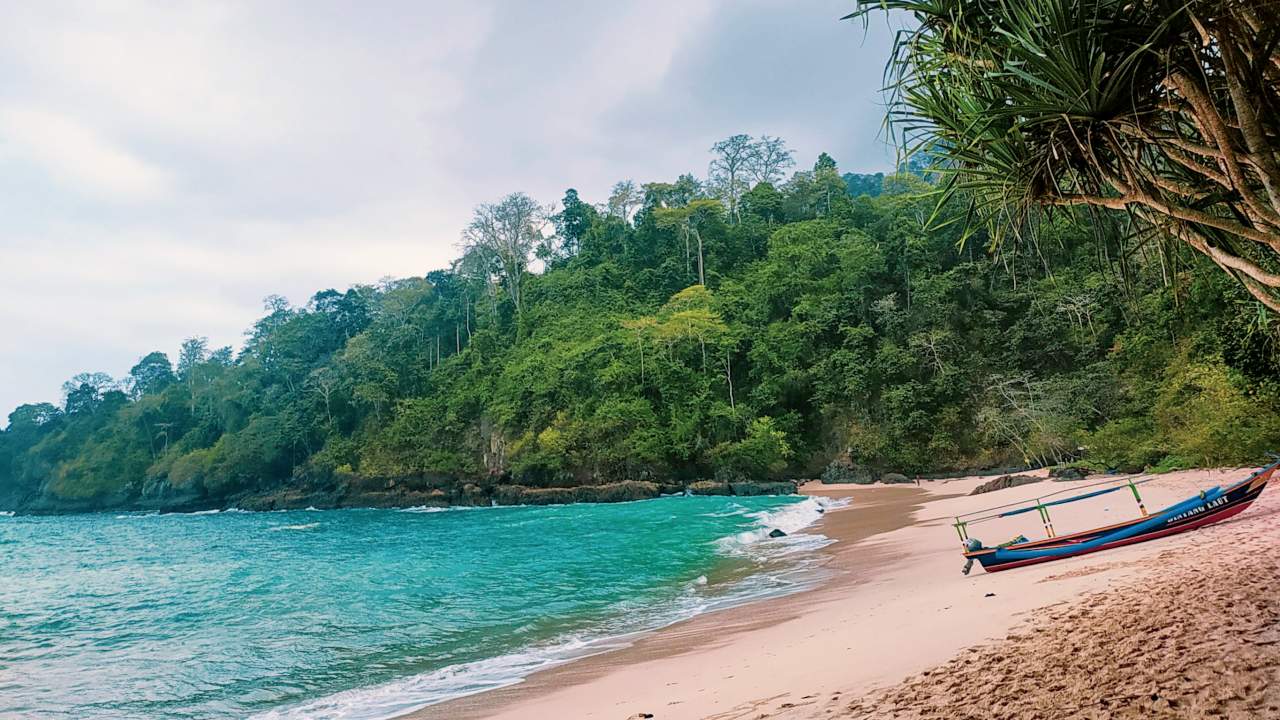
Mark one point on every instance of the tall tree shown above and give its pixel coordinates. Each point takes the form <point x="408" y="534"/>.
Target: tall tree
<point x="688" y="220"/>
<point x="730" y="170"/>
<point x="625" y="199"/>
<point x="151" y="374"/>
<point x="571" y="223"/>
<point x="770" y="160"/>
<point x="827" y="182"/>
<point x="85" y="391"/>
<point x="683" y="191"/>
<point x="508" y="231"/>
<point x="191" y="355"/>
<point x="194" y="351"/>
<point x="32" y="416"/>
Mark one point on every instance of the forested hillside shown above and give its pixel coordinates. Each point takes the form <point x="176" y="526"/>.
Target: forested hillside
<point x="743" y="327"/>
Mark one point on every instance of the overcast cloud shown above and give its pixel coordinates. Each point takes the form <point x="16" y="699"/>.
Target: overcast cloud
<point x="165" y="166"/>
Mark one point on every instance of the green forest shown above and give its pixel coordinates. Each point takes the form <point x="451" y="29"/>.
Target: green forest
<point x="744" y="327"/>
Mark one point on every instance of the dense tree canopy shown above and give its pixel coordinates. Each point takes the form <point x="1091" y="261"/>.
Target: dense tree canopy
<point x="667" y="336"/>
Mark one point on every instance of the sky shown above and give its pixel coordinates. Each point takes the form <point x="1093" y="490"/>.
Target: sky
<point x="166" y="166"/>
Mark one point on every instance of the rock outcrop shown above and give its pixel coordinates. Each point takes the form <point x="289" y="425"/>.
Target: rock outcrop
<point x="1005" y="481"/>
<point x="785" y="487"/>
<point x="843" y="471"/>
<point x="349" y="490"/>
<point x="608" y="492"/>
<point x="746" y="488"/>
<point x="1069" y="473"/>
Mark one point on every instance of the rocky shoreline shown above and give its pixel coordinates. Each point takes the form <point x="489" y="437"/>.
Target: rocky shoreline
<point x="393" y="493"/>
<point x="347" y="490"/>
<point x="403" y="494"/>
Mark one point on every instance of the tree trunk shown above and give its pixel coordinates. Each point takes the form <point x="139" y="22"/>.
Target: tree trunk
<point x="728" y="376"/>
<point x="688" y="263"/>
<point x="702" y="278"/>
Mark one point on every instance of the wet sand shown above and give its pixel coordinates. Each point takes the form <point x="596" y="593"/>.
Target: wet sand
<point x="1185" y="626"/>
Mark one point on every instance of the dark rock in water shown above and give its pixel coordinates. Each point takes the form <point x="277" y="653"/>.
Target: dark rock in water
<point x="895" y="479"/>
<point x="608" y="492"/>
<point x="776" y="533"/>
<point x="617" y="492"/>
<point x="522" y="495"/>
<point x="709" y="487"/>
<point x="1069" y="473"/>
<point x="746" y="488"/>
<point x="1005" y="481"/>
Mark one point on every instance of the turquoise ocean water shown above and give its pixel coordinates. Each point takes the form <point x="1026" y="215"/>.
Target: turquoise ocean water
<point x="360" y="614"/>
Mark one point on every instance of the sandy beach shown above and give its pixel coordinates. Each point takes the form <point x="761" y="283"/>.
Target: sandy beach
<point x="1185" y="626"/>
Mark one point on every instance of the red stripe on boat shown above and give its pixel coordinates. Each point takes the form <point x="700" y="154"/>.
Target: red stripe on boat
<point x="1220" y="515"/>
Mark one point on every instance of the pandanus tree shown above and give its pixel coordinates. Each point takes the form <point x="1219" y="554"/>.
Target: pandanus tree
<point x="1167" y="110"/>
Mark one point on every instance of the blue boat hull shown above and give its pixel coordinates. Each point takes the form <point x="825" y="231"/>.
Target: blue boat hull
<point x="1208" y="507"/>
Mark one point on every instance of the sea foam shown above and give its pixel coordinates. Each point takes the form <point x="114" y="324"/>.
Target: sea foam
<point x="388" y="700"/>
<point x="304" y="526"/>
<point x="790" y="519"/>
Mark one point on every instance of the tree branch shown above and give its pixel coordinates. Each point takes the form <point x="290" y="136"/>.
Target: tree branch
<point x="1212" y="121"/>
<point x="1254" y="136"/>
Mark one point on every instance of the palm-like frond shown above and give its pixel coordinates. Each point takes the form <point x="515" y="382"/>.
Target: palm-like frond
<point x="1035" y="103"/>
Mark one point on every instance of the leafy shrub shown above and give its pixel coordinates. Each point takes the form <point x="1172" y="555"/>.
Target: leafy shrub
<point x="1128" y="444"/>
<point x="1209" y="418"/>
<point x="762" y="452"/>
<point x="841" y="471"/>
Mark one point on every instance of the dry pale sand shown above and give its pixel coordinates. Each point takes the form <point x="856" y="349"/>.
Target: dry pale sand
<point x="1185" y="626"/>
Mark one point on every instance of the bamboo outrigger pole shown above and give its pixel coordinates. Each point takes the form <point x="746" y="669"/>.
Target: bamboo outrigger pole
<point x="962" y="525"/>
<point x="1044" y="517"/>
<point x="1137" y="497"/>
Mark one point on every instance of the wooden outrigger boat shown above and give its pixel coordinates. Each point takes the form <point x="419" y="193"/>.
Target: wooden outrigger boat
<point x="1209" y="506"/>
